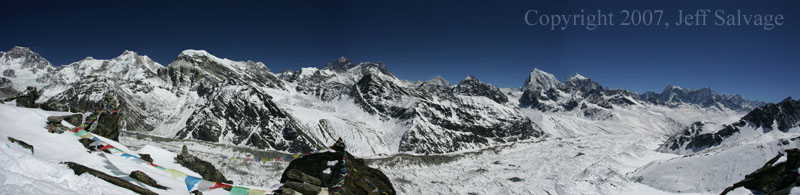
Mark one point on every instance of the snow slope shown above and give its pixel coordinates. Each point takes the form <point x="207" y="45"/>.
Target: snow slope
<point x="40" y="173"/>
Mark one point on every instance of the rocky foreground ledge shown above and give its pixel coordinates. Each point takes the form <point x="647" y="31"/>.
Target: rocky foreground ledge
<point x="333" y="173"/>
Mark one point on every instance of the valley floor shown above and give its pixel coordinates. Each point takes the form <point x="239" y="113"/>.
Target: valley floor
<point x="586" y="164"/>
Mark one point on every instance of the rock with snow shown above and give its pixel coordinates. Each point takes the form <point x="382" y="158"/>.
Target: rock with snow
<point x="759" y="123"/>
<point x="306" y="175"/>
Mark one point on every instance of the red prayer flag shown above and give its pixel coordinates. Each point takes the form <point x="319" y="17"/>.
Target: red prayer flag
<point x="77" y="129"/>
<point x="219" y="185"/>
<point x="106" y="147"/>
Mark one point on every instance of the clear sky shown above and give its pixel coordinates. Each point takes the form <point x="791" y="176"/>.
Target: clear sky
<point x="420" y="39"/>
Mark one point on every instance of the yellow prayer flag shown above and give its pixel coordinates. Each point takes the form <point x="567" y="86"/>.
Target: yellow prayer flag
<point x="176" y="174"/>
<point x="256" y="192"/>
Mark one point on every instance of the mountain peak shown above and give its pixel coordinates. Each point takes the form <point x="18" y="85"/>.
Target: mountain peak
<point x="20" y="49"/>
<point x="340" y="65"/>
<point x="539" y="80"/>
<point x="26" y="57"/>
<point x="439" y="80"/>
<point x="576" y="77"/>
<point x="129" y="52"/>
<point x="470" y="77"/>
<point x="192" y="52"/>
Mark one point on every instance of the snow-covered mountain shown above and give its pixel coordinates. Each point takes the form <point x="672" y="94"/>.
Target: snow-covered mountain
<point x="430" y="137"/>
<point x="20" y="68"/>
<point x="675" y="95"/>
<point x="201" y="96"/>
<point x="719" y="154"/>
<point x="543" y="91"/>
<point x="758" y="125"/>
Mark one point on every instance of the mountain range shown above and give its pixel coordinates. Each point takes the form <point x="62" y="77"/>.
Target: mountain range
<point x="204" y="97"/>
<point x="549" y="136"/>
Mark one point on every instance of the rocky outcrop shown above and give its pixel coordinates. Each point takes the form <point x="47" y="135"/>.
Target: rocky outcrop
<point x="107" y="125"/>
<point x="74" y="120"/>
<point x="54" y="123"/>
<point x="146" y="157"/>
<point x="782" y="116"/>
<point x="144" y="178"/>
<point x="205" y="169"/>
<point x="80" y="169"/>
<point x="21" y="143"/>
<point x="315" y="172"/>
<point x="28" y="99"/>
<point x="775" y="179"/>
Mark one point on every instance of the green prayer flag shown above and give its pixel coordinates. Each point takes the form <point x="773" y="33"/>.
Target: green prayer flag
<point x="239" y="190"/>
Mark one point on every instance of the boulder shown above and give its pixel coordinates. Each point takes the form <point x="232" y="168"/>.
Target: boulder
<point x="107" y="125"/>
<point x="144" y="178"/>
<point x="326" y="169"/>
<point x="776" y="179"/>
<point x="28" y="99"/>
<point x="74" y="120"/>
<point x="21" y="143"/>
<point x="80" y="169"/>
<point x="205" y="169"/>
<point x="146" y="157"/>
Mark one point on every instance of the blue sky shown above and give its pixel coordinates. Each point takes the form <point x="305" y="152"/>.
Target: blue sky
<point x="420" y="39"/>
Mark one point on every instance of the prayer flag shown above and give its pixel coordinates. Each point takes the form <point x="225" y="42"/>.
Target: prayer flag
<point x="239" y="190"/>
<point x="175" y="173"/>
<point x="219" y="185"/>
<point x="190" y="182"/>
<point x="257" y="192"/>
<point x="106" y="147"/>
<point x="204" y="185"/>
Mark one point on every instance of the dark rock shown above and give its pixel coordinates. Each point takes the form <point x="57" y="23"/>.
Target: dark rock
<point x="57" y="129"/>
<point x="287" y="191"/>
<point x="142" y="177"/>
<point x="9" y="73"/>
<point x="21" y="143"/>
<point x="107" y="125"/>
<point x="303" y="188"/>
<point x="146" y="157"/>
<point x="75" y="119"/>
<point x="205" y="169"/>
<point x="339" y="146"/>
<point x="360" y="179"/>
<point x="296" y="175"/>
<point x="80" y="169"/>
<point x="28" y="99"/>
<point x="777" y="179"/>
<point x="515" y="179"/>
<point x="87" y="144"/>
